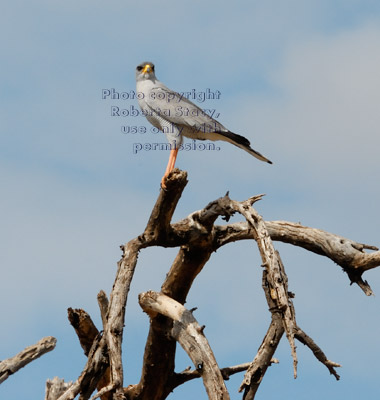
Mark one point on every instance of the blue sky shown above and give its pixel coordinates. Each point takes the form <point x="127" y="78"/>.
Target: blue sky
<point x="300" y="79"/>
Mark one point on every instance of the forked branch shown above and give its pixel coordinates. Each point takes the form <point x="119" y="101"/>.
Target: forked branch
<point x="189" y="334"/>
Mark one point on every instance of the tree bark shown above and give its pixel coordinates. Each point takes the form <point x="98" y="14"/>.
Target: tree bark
<point x="11" y="365"/>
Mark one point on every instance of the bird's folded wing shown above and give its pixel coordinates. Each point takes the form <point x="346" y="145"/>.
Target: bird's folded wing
<point x="178" y="110"/>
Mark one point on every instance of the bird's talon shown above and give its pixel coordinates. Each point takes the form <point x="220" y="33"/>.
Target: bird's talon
<point x="163" y="185"/>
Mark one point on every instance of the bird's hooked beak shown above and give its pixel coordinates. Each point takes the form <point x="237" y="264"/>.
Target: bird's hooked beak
<point x="147" y="69"/>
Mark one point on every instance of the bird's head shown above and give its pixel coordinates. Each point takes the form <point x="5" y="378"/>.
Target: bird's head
<point x="145" y="71"/>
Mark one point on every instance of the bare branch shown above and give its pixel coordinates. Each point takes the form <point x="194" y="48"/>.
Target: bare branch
<point x="158" y="228"/>
<point x="257" y="369"/>
<point x="88" y="334"/>
<point x="190" y="335"/>
<point x="55" y="387"/>
<point x="113" y="332"/>
<point x="189" y="374"/>
<point x="235" y="369"/>
<point x="11" y="365"/>
<point x="84" y="328"/>
<point x="71" y="392"/>
<point x="350" y="255"/>
<point x="276" y="277"/>
<point x="319" y="354"/>
<point x="103" y="306"/>
<point x="91" y="374"/>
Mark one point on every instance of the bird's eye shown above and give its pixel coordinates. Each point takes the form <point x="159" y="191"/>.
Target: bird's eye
<point x="139" y="68"/>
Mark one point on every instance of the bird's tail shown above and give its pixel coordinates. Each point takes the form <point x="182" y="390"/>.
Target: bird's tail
<point x="243" y="143"/>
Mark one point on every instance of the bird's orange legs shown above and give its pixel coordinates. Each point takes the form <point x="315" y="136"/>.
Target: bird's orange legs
<point x="170" y="166"/>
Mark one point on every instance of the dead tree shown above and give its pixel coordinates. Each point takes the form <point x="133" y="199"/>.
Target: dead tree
<point x="197" y="237"/>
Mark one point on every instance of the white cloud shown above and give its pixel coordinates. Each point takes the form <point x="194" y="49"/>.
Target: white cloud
<point x="325" y="111"/>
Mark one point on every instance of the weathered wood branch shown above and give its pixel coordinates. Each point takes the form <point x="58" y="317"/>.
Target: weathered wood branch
<point x="189" y="374"/>
<point x="92" y="373"/>
<point x="348" y="254"/>
<point x="276" y="276"/>
<point x="84" y="328"/>
<point x="103" y="306"/>
<point x="72" y="391"/>
<point x="263" y="359"/>
<point x="55" y="388"/>
<point x="317" y="351"/>
<point x="87" y="335"/>
<point x="11" y="365"/>
<point x="189" y="334"/>
<point x="158" y="230"/>
<point x="235" y="369"/>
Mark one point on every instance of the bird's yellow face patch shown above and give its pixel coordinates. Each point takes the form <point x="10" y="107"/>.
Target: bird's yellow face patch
<point x="147" y="69"/>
